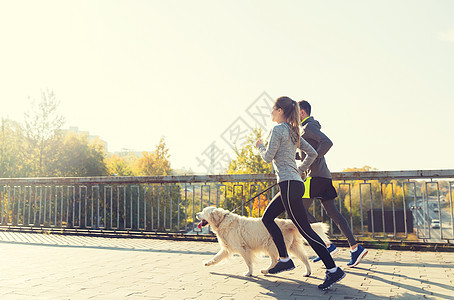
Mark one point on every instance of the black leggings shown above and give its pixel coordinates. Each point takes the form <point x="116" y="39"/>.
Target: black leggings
<point x="291" y="201"/>
<point x="335" y="215"/>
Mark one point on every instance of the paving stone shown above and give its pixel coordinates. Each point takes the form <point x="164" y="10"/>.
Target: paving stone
<point x="35" y="266"/>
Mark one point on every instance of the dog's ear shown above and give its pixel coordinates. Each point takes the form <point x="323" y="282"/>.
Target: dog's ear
<point x="217" y="215"/>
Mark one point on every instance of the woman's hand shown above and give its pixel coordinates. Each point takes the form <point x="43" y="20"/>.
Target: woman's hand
<point x="258" y="143"/>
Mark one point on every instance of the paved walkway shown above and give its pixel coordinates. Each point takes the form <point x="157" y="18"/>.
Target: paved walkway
<point x="39" y="266"/>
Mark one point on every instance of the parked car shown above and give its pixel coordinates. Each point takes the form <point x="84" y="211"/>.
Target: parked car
<point x="435" y="223"/>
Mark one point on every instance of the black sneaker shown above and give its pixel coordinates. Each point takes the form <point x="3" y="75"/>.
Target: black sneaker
<point x="332" y="278"/>
<point x="282" y="266"/>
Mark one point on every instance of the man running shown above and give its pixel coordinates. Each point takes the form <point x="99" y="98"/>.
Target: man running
<point x="319" y="184"/>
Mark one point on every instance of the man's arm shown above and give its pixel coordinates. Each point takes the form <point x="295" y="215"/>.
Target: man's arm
<point x="309" y="156"/>
<point x="324" y="143"/>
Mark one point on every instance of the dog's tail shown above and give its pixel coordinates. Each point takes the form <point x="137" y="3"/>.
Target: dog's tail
<point x="322" y="230"/>
<point x="321" y="227"/>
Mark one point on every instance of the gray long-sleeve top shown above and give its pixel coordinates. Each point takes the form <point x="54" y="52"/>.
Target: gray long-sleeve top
<point x="281" y="151"/>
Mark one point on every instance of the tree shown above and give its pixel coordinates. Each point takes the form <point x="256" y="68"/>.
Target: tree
<point x="12" y="154"/>
<point x="363" y="169"/>
<point x="249" y="161"/>
<point x="118" y="166"/>
<point x="77" y="157"/>
<point x="42" y="126"/>
<point x="155" y="163"/>
<point x="354" y="194"/>
<point x="166" y="199"/>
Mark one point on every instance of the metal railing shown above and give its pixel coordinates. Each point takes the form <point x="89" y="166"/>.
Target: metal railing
<point x="377" y="204"/>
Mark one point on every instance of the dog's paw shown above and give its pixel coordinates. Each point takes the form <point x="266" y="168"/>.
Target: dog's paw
<point x="307" y="274"/>
<point x="264" y="272"/>
<point x="248" y="273"/>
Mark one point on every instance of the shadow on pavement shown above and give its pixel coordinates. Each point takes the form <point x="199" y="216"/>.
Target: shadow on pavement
<point x="416" y="287"/>
<point x="109" y="248"/>
<point x="293" y="288"/>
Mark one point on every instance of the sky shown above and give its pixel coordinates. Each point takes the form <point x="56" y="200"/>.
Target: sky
<point x="378" y="74"/>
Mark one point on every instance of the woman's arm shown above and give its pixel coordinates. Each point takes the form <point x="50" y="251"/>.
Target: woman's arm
<point x="273" y="146"/>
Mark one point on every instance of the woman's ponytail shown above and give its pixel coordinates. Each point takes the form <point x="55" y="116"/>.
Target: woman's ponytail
<point x="294" y="122"/>
<point x="292" y="114"/>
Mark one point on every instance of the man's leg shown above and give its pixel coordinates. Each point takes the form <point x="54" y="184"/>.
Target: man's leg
<point x="357" y="251"/>
<point x="307" y="203"/>
<point x="339" y="220"/>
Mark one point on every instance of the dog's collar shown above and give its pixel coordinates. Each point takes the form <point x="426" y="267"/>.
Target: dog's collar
<point x="223" y="218"/>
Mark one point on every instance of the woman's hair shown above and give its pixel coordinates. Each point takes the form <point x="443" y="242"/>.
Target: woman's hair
<point x="292" y="116"/>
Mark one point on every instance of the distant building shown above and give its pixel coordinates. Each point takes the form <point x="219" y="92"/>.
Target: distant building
<point x="128" y="152"/>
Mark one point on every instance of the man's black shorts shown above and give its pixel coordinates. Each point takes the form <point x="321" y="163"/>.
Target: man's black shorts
<point x="319" y="187"/>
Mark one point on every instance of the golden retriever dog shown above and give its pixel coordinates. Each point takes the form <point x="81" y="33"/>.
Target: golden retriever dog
<point x="248" y="237"/>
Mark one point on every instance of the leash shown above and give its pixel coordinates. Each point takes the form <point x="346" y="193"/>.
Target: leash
<point x="244" y="204"/>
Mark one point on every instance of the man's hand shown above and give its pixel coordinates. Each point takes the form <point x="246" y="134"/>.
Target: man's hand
<point x="303" y="173"/>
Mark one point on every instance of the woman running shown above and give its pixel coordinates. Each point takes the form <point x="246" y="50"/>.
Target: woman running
<point x="285" y="139"/>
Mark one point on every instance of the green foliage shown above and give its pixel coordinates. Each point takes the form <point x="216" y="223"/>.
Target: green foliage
<point x="12" y="155"/>
<point x="390" y="192"/>
<point x="77" y="157"/>
<point x="373" y="194"/>
<point x="118" y="166"/>
<point x="248" y="161"/>
<point x="363" y="169"/>
<point x="155" y="163"/>
<point x="42" y="149"/>
<point x="42" y="126"/>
